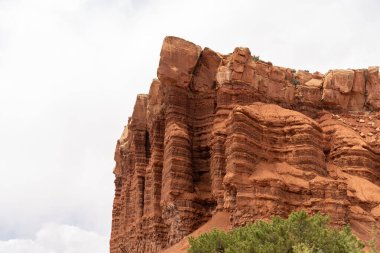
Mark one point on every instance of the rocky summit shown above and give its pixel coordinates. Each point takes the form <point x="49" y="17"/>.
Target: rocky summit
<point x="229" y="139"/>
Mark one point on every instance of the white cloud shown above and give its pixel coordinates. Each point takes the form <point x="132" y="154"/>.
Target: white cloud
<point x="55" y="238"/>
<point x="70" y="71"/>
<point x="22" y="246"/>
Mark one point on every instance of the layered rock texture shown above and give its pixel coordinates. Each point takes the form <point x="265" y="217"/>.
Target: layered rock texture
<point x="237" y="135"/>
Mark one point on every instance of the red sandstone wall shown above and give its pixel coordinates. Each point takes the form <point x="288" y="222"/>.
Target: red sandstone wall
<point x="223" y="132"/>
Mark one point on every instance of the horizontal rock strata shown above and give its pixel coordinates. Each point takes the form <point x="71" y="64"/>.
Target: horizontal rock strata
<point x="236" y="134"/>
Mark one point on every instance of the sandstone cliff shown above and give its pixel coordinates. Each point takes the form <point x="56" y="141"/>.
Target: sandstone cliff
<point x="234" y="134"/>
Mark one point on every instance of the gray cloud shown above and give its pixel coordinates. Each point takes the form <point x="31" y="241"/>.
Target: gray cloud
<point x="70" y="71"/>
<point x="57" y="238"/>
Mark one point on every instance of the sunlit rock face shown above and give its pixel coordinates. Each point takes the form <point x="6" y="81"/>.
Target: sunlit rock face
<point x="236" y="134"/>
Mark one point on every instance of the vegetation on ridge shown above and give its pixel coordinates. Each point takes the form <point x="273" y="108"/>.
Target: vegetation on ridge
<point x="299" y="233"/>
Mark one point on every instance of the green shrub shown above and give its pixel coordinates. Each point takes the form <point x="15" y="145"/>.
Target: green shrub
<point x="256" y="58"/>
<point x="299" y="233"/>
<point x="295" y="82"/>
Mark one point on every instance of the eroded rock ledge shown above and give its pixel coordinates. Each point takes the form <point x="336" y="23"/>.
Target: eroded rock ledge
<point x="234" y="133"/>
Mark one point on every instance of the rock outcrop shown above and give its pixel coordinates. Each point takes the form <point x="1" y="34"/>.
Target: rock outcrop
<point x="231" y="133"/>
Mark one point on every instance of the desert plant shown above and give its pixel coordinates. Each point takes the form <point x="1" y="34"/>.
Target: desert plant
<point x="298" y="233"/>
<point x="295" y="81"/>
<point x="256" y="58"/>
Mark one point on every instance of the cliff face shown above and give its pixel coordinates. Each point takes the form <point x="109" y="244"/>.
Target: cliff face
<point x="235" y="134"/>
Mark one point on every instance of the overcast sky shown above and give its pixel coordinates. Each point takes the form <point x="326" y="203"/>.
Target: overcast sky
<point x="69" y="74"/>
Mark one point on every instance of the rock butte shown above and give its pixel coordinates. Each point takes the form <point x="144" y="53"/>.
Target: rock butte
<point x="236" y="137"/>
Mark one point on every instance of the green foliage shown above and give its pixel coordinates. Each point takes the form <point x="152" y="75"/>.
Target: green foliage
<point x="299" y="233"/>
<point x="295" y="82"/>
<point x="256" y="58"/>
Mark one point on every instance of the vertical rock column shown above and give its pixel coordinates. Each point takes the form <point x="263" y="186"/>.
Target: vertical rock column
<point x="201" y="110"/>
<point x="177" y="63"/>
<point x="138" y="125"/>
<point x="137" y="162"/>
<point x="234" y="78"/>
<point x="118" y="207"/>
<point x="131" y="162"/>
<point x="373" y="88"/>
<point x="154" y="230"/>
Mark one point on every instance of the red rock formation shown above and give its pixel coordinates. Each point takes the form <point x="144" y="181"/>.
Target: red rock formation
<point x="235" y="134"/>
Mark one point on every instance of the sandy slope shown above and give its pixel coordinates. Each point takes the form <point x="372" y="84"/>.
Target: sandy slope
<point x="219" y="221"/>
